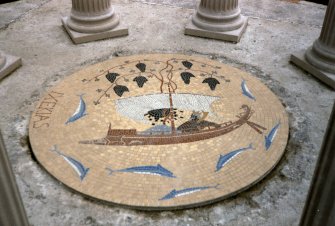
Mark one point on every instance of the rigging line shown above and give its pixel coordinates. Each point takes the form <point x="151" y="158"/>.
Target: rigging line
<point x="155" y="76"/>
<point x="169" y="76"/>
<point x="160" y="72"/>
<point x="172" y="82"/>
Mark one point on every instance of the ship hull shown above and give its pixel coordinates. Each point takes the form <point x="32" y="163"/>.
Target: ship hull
<point x="185" y="137"/>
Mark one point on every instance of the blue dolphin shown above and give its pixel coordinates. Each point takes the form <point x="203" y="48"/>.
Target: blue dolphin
<point x="153" y="170"/>
<point x="271" y="136"/>
<point x="176" y="193"/>
<point x="80" y="111"/>
<point x="80" y="169"/>
<point x="246" y="91"/>
<point x="224" y="159"/>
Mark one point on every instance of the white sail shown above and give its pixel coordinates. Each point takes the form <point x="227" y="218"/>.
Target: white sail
<point x="136" y="107"/>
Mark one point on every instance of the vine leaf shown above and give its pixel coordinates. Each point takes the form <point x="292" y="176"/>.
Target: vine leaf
<point x="212" y="82"/>
<point x="186" y="76"/>
<point x="111" y="77"/>
<point x="141" y="67"/>
<point x="119" y="90"/>
<point x="187" y="64"/>
<point x="140" y="80"/>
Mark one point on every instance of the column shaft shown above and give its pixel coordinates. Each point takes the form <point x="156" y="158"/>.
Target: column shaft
<point x="12" y="210"/>
<point x="218" y="5"/>
<point x="327" y="36"/>
<point x="2" y="60"/>
<point x="92" y="16"/>
<point x="218" y="15"/>
<point x="90" y="6"/>
<point x="320" y="203"/>
<point x="322" y="53"/>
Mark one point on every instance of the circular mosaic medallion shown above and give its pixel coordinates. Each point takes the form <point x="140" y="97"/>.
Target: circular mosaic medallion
<point x="159" y="131"/>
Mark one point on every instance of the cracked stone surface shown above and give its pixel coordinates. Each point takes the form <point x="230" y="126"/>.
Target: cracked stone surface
<point x="32" y="30"/>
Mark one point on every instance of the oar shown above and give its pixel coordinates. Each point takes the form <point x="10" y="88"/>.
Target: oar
<point x="257" y="125"/>
<point x="254" y="127"/>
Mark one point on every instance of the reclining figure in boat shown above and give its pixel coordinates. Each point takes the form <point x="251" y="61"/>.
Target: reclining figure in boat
<point x="197" y="122"/>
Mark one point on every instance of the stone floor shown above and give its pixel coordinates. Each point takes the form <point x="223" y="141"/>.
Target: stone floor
<point x="32" y="29"/>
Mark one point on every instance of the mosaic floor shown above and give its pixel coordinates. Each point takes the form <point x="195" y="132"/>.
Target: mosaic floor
<point x="161" y="131"/>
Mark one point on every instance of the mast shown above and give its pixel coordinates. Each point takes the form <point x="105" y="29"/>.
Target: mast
<point x="173" y="127"/>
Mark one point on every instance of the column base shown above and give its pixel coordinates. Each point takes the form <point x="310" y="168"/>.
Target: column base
<point x="300" y="60"/>
<point x="231" y="36"/>
<point x="77" y="38"/>
<point x="12" y="63"/>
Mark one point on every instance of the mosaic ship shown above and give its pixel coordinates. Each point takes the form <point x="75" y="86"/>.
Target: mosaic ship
<point x="194" y="129"/>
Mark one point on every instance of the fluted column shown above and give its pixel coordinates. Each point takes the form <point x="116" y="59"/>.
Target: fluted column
<point x="322" y="53"/>
<point x="8" y="64"/>
<point x="320" y="204"/>
<point x="218" y="19"/>
<point x="319" y="60"/>
<point x="12" y="209"/>
<point x="2" y="60"/>
<point x="92" y="20"/>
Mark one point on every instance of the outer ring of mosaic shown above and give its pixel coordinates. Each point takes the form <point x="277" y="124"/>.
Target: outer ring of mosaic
<point x="159" y="131"/>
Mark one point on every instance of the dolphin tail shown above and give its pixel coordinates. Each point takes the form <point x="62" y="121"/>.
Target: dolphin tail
<point x="217" y="186"/>
<point x="251" y="146"/>
<point x="110" y="170"/>
<point x="267" y="143"/>
<point x="55" y="149"/>
<point x="163" y="198"/>
<point x="84" y="174"/>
